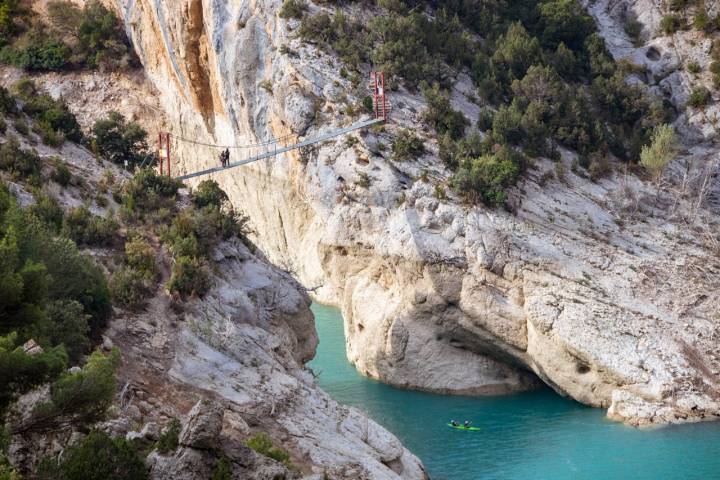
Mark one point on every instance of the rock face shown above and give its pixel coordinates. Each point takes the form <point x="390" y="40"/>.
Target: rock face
<point x="240" y="350"/>
<point x="203" y="427"/>
<point x="201" y="448"/>
<point x="599" y="289"/>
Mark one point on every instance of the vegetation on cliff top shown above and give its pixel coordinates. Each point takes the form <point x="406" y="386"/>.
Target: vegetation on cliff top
<point x="89" y="37"/>
<point x="542" y="70"/>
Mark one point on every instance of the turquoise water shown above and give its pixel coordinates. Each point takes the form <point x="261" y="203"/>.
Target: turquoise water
<point x="536" y="435"/>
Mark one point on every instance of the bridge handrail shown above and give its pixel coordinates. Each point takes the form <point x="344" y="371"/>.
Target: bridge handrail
<point x="274" y="152"/>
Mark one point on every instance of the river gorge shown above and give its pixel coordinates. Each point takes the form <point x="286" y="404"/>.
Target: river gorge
<point x="535" y="435"/>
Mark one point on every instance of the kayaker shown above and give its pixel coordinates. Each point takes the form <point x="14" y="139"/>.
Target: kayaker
<point x="467" y="424"/>
<point x="454" y="423"/>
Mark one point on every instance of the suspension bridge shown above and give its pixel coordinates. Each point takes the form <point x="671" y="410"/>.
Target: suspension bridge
<point x="272" y="148"/>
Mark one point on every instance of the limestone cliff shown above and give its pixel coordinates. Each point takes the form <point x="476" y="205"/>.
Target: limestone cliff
<point x="605" y="291"/>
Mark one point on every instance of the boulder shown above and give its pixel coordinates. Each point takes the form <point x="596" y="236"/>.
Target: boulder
<point x="32" y="348"/>
<point x="203" y="425"/>
<point x="151" y="431"/>
<point x="187" y="464"/>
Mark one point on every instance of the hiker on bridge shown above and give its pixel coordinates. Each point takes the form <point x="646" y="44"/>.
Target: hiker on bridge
<point x="225" y="157"/>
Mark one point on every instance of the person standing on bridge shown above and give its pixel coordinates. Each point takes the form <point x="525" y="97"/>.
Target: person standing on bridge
<point x="225" y="157"/>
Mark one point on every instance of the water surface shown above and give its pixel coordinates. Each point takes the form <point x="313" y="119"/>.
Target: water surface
<point x="537" y="435"/>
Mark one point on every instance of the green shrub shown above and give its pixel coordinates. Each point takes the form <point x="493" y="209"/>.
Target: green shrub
<point x="655" y="156"/>
<point x="671" y="23"/>
<point x="209" y="193"/>
<point x="119" y="141"/>
<point x="485" y="119"/>
<point x="21" y="126"/>
<point x="148" y="192"/>
<point x="130" y="288"/>
<point x="81" y="398"/>
<point x="10" y="12"/>
<point x="69" y="328"/>
<point x="96" y="457"/>
<point x="44" y="267"/>
<point x="222" y="470"/>
<point x="486" y="178"/>
<point x="61" y="174"/>
<point x="694" y="67"/>
<point x="344" y="36"/>
<point x="702" y="21"/>
<point x="517" y="51"/>
<point x="88" y="229"/>
<point x="140" y="255"/>
<point x="564" y="21"/>
<point x="169" y="439"/>
<point x="8" y="103"/>
<point x="699" y="97"/>
<point x="599" y="166"/>
<point x="195" y="232"/>
<point x="441" y="116"/>
<point x="263" y="444"/>
<point x="98" y="36"/>
<point x="507" y="124"/>
<point x="407" y="146"/>
<point x="36" y="51"/>
<point x="53" y="117"/>
<point x="19" y="373"/>
<point x="101" y="36"/>
<point x="293" y="9"/>
<point x="21" y="164"/>
<point x="715" y="69"/>
<point x="190" y="276"/>
<point x="410" y="47"/>
<point x="47" y="209"/>
<point x="367" y="104"/>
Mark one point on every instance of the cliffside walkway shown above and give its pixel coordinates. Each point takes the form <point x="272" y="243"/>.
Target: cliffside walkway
<point x="272" y="150"/>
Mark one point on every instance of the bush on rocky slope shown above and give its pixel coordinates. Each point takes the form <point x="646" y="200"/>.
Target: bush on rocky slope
<point x="20" y="372"/>
<point x="33" y="258"/>
<point x="53" y="118"/>
<point x="78" y="398"/>
<point x="96" y="457"/>
<point x="119" y="141"/>
<point x="209" y="193"/>
<point x="169" y="439"/>
<point x="88" y="229"/>
<point x="658" y="154"/>
<point x="130" y="288"/>
<point x="20" y="163"/>
<point x="37" y="51"/>
<point x="292" y="9"/>
<point x="263" y="444"/>
<point x="146" y="194"/>
<point x="407" y="146"/>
